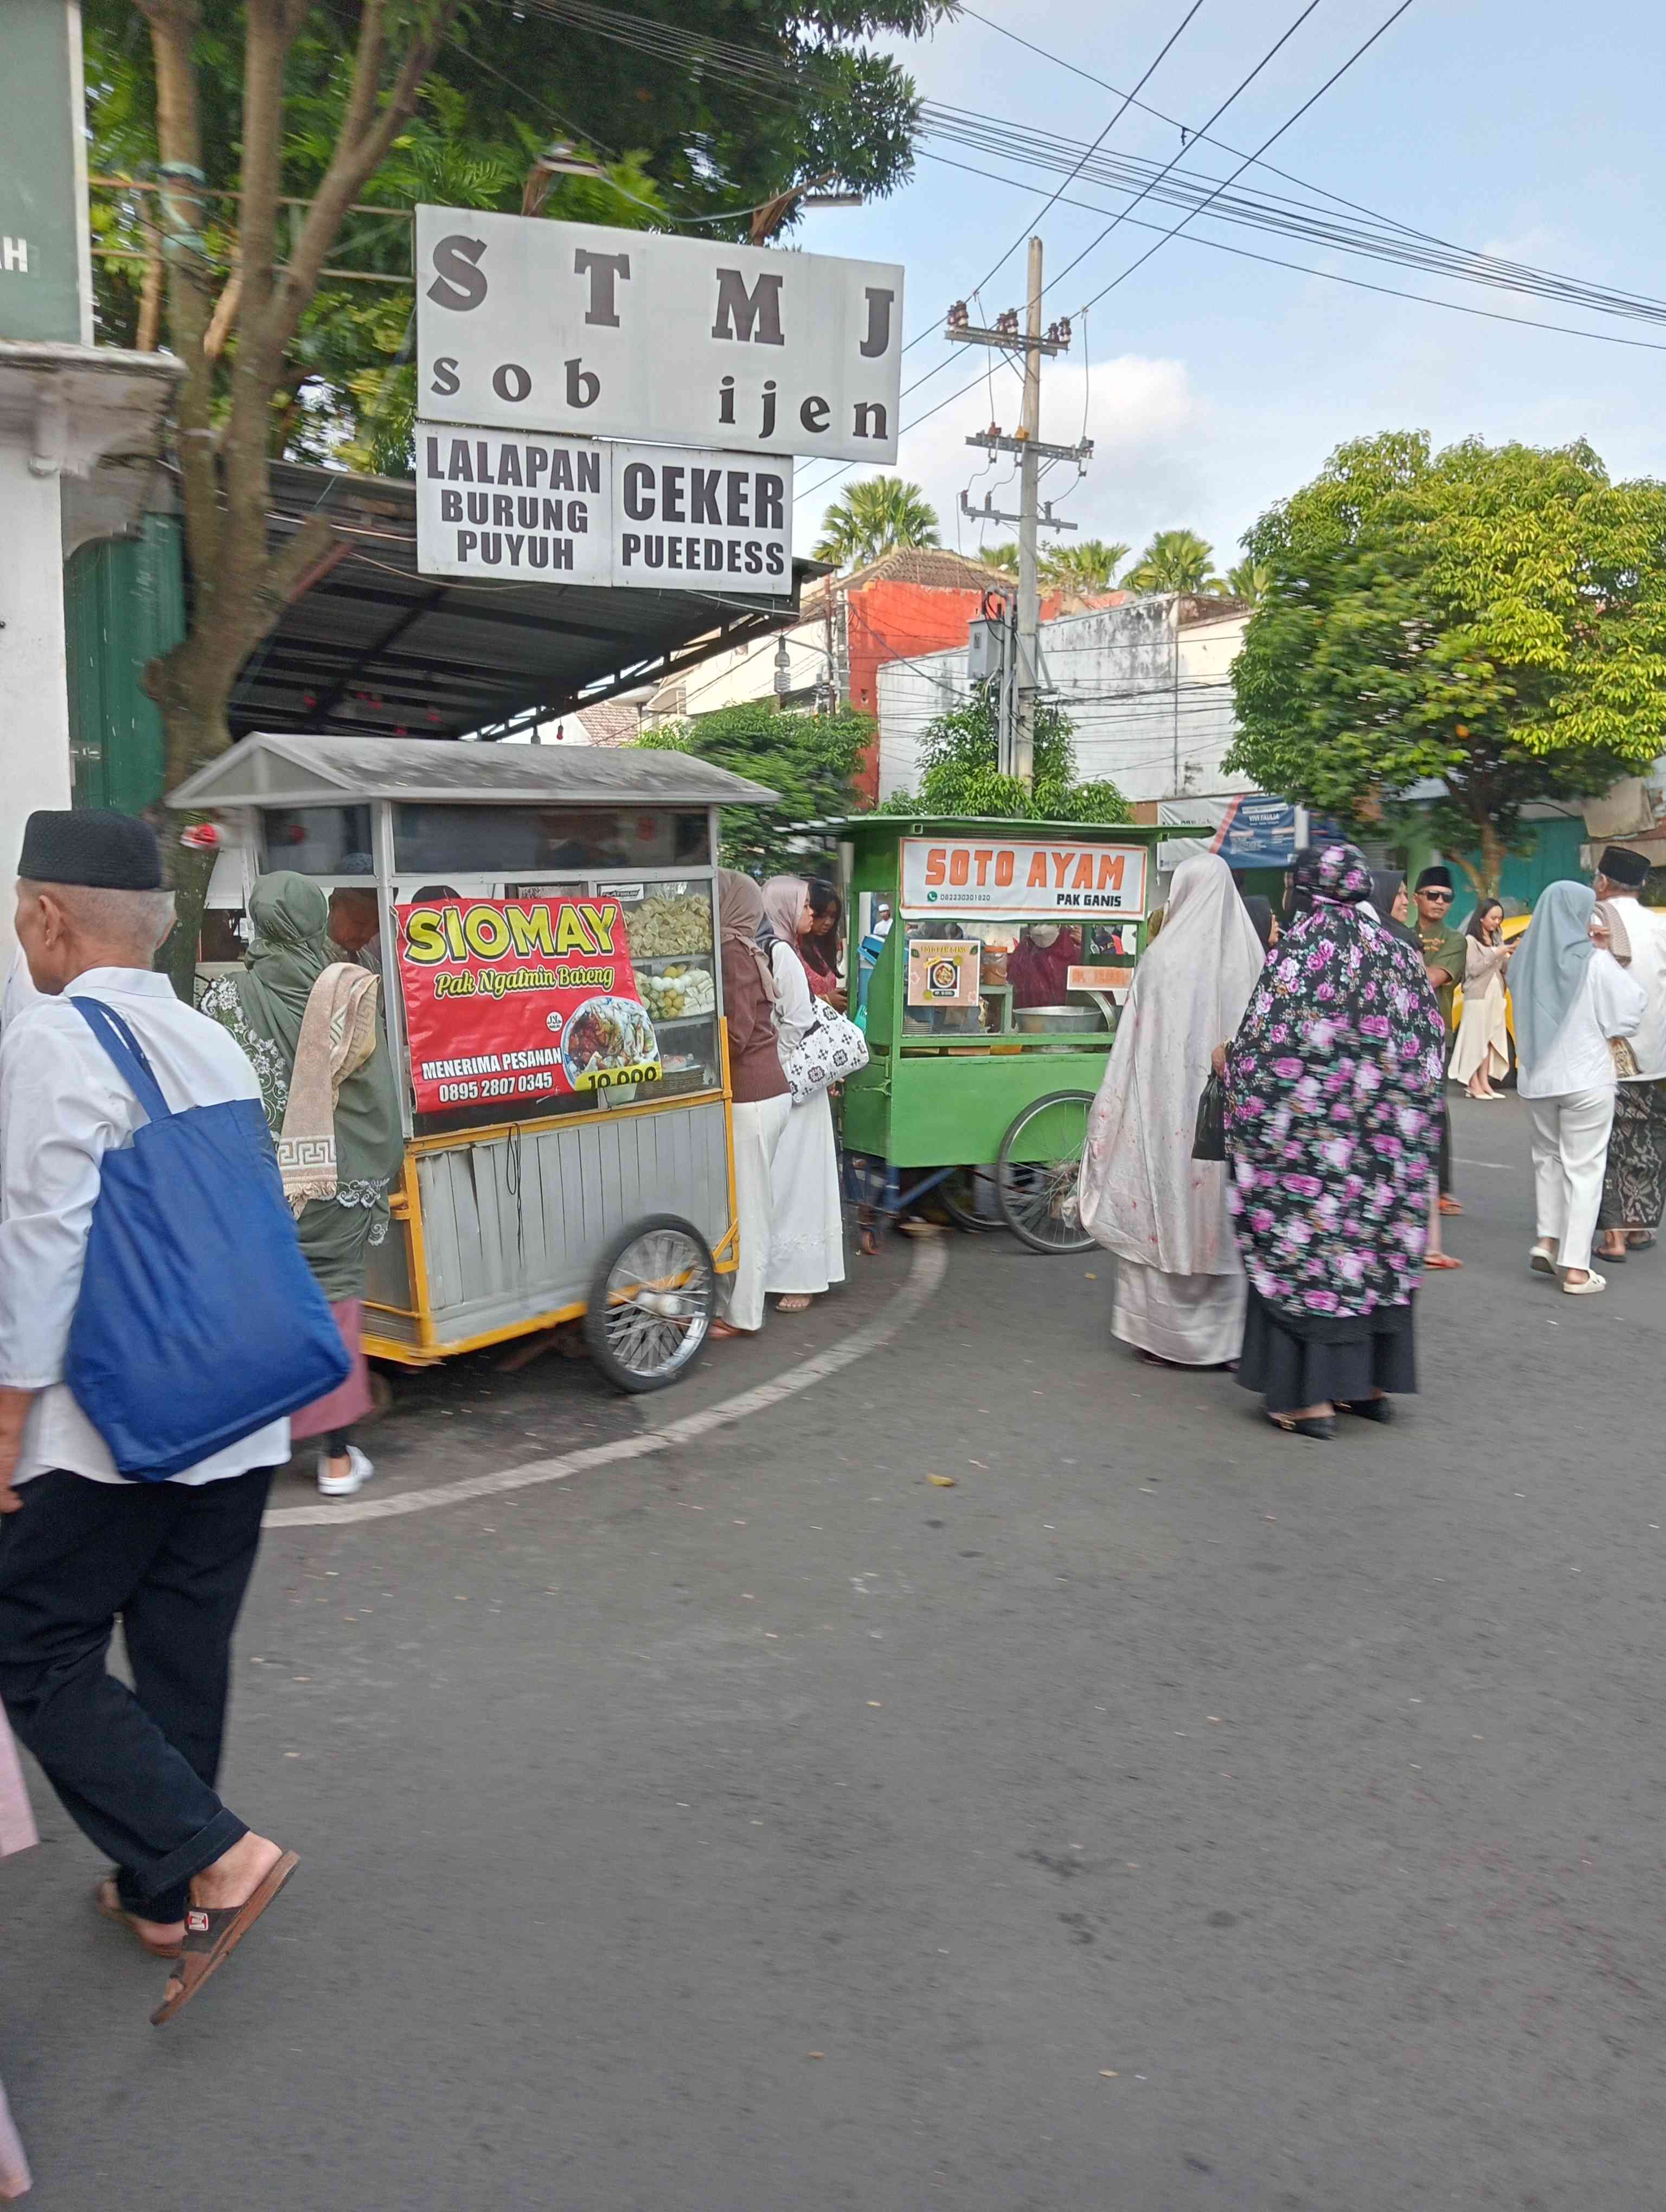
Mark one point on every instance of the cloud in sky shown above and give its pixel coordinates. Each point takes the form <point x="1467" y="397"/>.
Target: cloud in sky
<point x="1221" y="383"/>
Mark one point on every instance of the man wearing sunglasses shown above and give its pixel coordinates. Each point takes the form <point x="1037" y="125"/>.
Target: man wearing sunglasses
<point x="1444" y="955"/>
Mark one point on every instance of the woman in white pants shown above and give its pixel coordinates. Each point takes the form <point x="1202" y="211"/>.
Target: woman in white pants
<point x="763" y="1099"/>
<point x="1570" y="999"/>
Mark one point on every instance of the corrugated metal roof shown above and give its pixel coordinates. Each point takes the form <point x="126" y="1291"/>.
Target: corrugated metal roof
<point x="371" y="648"/>
<point x="268" y="769"/>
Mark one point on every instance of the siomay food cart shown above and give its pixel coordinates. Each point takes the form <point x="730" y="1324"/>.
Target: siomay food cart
<point x="554" y="1006"/>
<point x="990" y="1009"/>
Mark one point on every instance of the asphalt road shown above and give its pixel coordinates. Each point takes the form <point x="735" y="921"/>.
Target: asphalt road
<point x="1168" y="1814"/>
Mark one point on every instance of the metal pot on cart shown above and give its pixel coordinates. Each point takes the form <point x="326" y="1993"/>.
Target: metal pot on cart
<point x="554" y="1005"/>
<point x="990" y="1009"/>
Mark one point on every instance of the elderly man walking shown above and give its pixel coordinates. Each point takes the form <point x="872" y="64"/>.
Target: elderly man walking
<point x="79" y="1544"/>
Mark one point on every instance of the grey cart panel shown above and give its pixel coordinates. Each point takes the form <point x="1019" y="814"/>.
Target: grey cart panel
<point x="513" y="1226"/>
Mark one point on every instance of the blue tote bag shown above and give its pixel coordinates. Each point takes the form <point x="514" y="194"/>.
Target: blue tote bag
<point x="198" y="1319"/>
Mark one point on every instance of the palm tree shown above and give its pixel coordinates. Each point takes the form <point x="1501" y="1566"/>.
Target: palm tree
<point x="1005" y="557"/>
<point x="873" y="517"/>
<point x="1250" y="581"/>
<point x="1085" y="565"/>
<point x="1175" y="561"/>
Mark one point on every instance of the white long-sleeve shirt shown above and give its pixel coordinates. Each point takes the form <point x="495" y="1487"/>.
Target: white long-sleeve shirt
<point x="1610" y="1004"/>
<point x="63" y="1103"/>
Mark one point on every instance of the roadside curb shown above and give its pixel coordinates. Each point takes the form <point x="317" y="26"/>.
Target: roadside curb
<point x="928" y="1264"/>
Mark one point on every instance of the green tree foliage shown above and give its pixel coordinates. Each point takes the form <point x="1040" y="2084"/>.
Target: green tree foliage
<point x="1175" y="561"/>
<point x="1003" y="556"/>
<point x="875" y="516"/>
<point x="958" y="774"/>
<point x="676" y="143"/>
<point x="1491" y="616"/>
<point x="810" y="760"/>
<point x="1085" y="564"/>
<point x="1249" y="581"/>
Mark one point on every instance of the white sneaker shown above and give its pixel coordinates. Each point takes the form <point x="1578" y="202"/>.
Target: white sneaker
<point x="359" y="1472"/>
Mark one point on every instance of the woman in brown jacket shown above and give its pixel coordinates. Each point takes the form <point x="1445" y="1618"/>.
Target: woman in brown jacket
<point x="763" y="1097"/>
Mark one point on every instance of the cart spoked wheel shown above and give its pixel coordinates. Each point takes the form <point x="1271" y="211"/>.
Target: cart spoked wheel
<point x="652" y="1301"/>
<point x="971" y="1199"/>
<point x="1040" y="1165"/>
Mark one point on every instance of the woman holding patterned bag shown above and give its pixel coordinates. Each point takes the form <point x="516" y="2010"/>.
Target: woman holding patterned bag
<point x="311" y="1026"/>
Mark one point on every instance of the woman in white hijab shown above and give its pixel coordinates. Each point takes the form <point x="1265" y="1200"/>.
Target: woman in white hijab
<point x="1179" y="1283"/>
<point x="1572" y="1000"/>
<point x="807" y="1250"/>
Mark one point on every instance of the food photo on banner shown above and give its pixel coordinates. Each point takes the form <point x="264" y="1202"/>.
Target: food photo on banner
<point x="514" y="999"/>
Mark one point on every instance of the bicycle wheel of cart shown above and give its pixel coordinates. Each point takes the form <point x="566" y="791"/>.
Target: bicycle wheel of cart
<point x="966" y="1191"/>
<point x="652" y="1300"/>
<point x="1040" y="1160"/>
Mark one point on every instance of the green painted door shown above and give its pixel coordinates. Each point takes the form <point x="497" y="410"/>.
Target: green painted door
<point x="124" y="603"/>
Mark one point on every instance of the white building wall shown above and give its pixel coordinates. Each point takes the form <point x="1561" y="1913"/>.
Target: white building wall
<point x="1150" y="699"/>
<point x="31" y="679"/>
<point x="748" y="672"/>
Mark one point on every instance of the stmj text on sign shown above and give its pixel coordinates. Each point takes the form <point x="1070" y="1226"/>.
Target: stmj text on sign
<point x="605" y="333"/>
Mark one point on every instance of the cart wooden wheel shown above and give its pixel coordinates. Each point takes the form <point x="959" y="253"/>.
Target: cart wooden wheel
<point x="652" y="1300"/>
<point x="965" y="1192"/>
<point x="1039" y="1167"/>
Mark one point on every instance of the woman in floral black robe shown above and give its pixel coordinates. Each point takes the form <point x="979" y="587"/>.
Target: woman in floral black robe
<point x="1333" y="1088"/>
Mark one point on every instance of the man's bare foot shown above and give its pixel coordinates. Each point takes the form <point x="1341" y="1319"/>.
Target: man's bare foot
<point x="793" y="1304"/>
<point x="1613" y="1246"/>
<point x="164" y="1937"/>
<point x="236" y="1875"/>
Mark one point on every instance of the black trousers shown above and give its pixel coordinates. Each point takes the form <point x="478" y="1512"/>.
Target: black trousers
<point x="135" y="1769"/>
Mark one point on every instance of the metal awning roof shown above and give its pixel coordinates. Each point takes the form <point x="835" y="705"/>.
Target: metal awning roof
<point x="369" y="648"/>
<point x="270" y="769"/>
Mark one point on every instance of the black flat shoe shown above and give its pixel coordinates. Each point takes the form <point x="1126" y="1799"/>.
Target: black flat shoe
<point x="1320" y="1426"/>
<point x="1368" y="1409"/>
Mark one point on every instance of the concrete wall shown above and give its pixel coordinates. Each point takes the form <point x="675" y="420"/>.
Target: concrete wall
<point x="1145" y="684"/>
<point x="31" y="661"/>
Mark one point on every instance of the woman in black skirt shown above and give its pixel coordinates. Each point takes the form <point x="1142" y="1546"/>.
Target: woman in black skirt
<point x="1333" y="1115"/>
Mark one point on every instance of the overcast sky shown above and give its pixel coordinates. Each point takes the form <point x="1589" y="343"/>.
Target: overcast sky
<point x="1212" y="385"/>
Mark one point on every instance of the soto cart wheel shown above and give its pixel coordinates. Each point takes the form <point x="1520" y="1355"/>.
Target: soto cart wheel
<point x="964" y="1193"/>
<point x="1040" y="1165"/>
<point x="652" y="1300"/>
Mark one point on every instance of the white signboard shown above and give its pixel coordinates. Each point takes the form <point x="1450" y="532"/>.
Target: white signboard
<point x="628" y="334"/>
<point x="537" y="509"/>
<point x="1022" y="879"/>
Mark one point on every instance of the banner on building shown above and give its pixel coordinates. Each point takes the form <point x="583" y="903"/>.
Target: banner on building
<point x="631" y="334"/>
<point x="530" y="509"/>
<point x="507" y="1000"/>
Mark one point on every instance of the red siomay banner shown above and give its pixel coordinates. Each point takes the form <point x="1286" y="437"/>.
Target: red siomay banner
<point x="522" y="998"/>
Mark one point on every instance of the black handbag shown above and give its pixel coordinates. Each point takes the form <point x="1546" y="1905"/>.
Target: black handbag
<point x="1209" y="1136"/>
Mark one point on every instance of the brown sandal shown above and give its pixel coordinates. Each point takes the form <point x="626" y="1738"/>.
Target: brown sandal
<point x="211" y="1937"/>
<point x="106" y="1900"/>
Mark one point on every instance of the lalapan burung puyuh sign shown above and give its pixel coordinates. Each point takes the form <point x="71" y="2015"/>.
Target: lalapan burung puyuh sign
<point x="613" y="406"/>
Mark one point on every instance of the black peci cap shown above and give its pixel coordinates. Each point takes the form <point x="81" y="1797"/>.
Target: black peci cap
<point x="1621" y="865"/>
<point x="93" y="846"/>
<point x="1437" y="878"/>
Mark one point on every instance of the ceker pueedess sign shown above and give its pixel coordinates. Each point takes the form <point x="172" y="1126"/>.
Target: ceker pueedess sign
<point x="1022" y="879"/>
<point x="523" y="325"/>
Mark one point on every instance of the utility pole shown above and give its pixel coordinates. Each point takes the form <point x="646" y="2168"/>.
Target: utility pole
<point x="1024" y="749"/>
<point x="1018" y="745"/>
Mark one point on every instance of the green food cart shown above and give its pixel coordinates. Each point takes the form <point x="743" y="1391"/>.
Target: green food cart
<point x="990" y="1008"/>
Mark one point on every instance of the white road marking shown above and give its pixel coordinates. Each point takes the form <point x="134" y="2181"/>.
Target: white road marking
<point x="927" y="1266"/>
